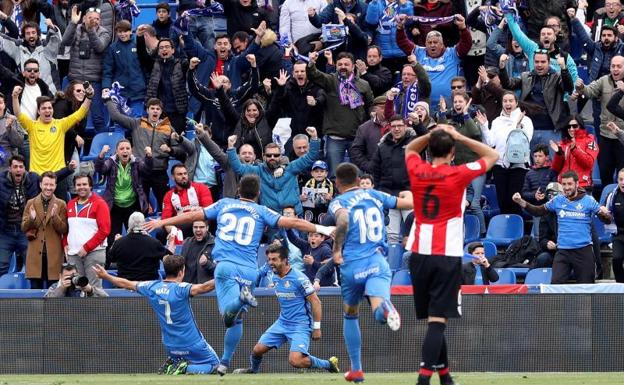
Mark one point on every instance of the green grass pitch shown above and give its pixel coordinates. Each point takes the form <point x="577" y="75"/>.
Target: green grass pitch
<point x="315" y="379"/>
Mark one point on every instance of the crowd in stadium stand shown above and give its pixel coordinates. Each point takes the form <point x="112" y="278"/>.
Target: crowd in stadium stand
<point x="105" y="122"/>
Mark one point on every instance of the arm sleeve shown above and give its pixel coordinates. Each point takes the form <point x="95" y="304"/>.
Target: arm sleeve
<point x="117" y="117"/>
<point x="586" y="156"/>
<point x="104" y="226"/>
<point x="99" y="42"/>
<point x="465" y="43"/>
<point x="614" y="104"/>
<point x="404" y="43"/>
<point x="528" y="45"/>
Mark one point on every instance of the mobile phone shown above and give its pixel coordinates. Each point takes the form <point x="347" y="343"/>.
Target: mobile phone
<point x="86" y="84"/>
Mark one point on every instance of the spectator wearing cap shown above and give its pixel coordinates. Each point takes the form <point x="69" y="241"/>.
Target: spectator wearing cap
<point x="121" y="65"/>
<point x="317" y="192"/>
<point x="390" y="172"/>
<point x="488" y="92"/>
<point x="368" y="135"/>
<point x="162" y="24"/>
<point x="480" y="262"/>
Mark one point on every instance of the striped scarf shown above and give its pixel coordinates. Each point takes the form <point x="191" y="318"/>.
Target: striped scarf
<point x="348" y="92"/>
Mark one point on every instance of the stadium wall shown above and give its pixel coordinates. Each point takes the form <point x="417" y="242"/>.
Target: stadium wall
<point x="507" y="333"/>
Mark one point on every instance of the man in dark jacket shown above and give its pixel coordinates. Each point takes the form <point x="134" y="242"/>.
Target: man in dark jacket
<point x="378" y="76"/>
<point x="162" y="24"/>
<point x="243" y="15"/>
<point x="390" y="172"/>
<point x="479" y="261"/>
<point x="368" y="135"/>
<point x="196" y="250"/>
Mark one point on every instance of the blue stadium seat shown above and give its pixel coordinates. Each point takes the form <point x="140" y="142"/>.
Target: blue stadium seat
<point x="596" y="176"/>
<point x="604" y="237"/>
<point x="172" y="162"/>
<point x="537" y="276"/>
<point x="490" y="250"/>
<point x="605" y="192"/>
<point x="261" y="259"/>
<point x="14" y="281"/>
<point x="154" y="204"/>
<point x="505" y="277"/>
<point x="13" y="264"/>
<point x="99" y="140"/>
<point x="106" y="284"/>
<point x="504" y="229"/>
<point x="395" y="256"/>
<point x="471" y="228"/>
<point x="491" y="207"/>
<point x="401" y="278"/>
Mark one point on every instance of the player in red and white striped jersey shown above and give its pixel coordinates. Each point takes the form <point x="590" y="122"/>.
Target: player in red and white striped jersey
<point x="439" y="191"/>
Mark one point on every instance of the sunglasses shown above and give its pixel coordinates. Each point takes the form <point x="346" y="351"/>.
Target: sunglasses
<point x="574" y="125"/>
<point x="272" y="155"/>
<point x="541" y="50"/>
<point x="35" y="70"/>
<point x="457" y="87"/>
<point x="93" y="9"/>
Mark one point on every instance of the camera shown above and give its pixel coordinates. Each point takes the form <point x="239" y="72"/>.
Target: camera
<point x="79" y="281"/>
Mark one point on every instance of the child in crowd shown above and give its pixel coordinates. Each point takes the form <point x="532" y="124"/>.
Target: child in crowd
<point x="366" y="181"/>
<point x="316" y="252"/>
<point x="317" y="193"/>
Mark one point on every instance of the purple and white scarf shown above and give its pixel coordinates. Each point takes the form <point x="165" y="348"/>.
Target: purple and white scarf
<point x="126" y="10"/>
<point x="424" y="20"/>
<point x="406" y="103"/>
<point x="182" y="23"/>
<point x="121" y="101"/>
<point x="348" y="92"/>
<point x="490" y="18"/>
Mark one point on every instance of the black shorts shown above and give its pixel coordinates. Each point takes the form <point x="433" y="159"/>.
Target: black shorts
<point x="436" y="280"/>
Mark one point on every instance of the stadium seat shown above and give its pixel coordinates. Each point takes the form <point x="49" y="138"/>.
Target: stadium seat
<point x="590" y="129"/>
<point x="153" y="204"/>
<point x="606" y="191"/>
<point x="537" y="276"/>
<point x="172" y="162"/>
<point x="505" y="277"/>
<point x="395" y="256"/>
<point x="604" y="237"/>
<point x="14" y="281"/>
<point x="504" y="229"/>
<point x="471" y="228"/>
<point x="401" y="278"/>
<point x="596" y="176"/>
<point x="13" y="264"/>
<point x="261" y="259"/>
<point x="490" y="250"/>
<point x="101" y="139"/>
<point x="490" y="208"/>
<point x="106" y="284"/>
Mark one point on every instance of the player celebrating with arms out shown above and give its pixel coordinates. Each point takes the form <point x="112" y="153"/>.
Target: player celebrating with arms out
<point x="439" y="191"/>
<point x="300" y="317"/>
<point x="240" y="225"/>
<point x="188" y="351"/>
<point x="364" y="271"/>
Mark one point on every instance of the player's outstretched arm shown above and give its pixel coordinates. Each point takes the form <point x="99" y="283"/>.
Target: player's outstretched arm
<point x="536" y="211"/>
<point x="342" y="226"/>
<point x="190" y="217"/>
<point x="417" y="145"/>
<point x="317" y="314"/>
<point x="202" y="288"/>
<point x="119" y="282"/>
<point x="405" y="201"/>
<point x="301" y="225"/>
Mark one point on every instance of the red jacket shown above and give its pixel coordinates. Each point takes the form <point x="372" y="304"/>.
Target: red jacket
<point x="89" y="226"/>
<point x="204" y="198"/>
<point x="580" y="159"/>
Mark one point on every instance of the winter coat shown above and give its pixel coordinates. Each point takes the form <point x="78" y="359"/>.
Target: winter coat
<point x="107" y="13"/>
<point x="380" y="17"/>
<point x="163" y="30"/>
<point x="88" y="227"/>
<point x="86" y="69"/>
<point x="178" y="82"/>
<point x="581" y="158"/>
<point x="328" y="14"/>
<point x="379" y="78"/>
<point x="517" y="63"/>
<point x="537" y="178"/>
<point x="596" y="52"/>
<point x="365" y="145"/>
<point x="389" y="170"/>
<point x="139" y="169"/>
<point x="50" y="231"/>
<point x="603" y="89"/>
<point x="11" y="138"/>
<point x="466" y="126"/>
<point x="294" y="22"/>
<point x="30" y="185"/>
<point x="241" y="18"/>
<point x="121" y="64"/>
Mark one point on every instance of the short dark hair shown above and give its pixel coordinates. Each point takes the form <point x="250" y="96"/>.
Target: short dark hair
<point x="396" y="117"/>
<point x="123" y="25"/>
<point x="44" y="99"/>
<point x="609" y="28"/>
<point x="165" y="40"/>
<point x="177" y="166"/>
<point x="48" y="174"/>
<point x="240" y="36"/>
<point x="124" y="140"/>
<point x="570" y="174"/>
<point x="16" y="157"/>
<point x="459" y="79"/>
<point x="367" y="176"/>
<point x="249" y="186"/>
<point x="543" y="148"/>
<point x="473" y="246"/>
<point x="154" y="102"/>
<point x="441" y="143"/>
<point x="272" y="145"/>
<point x="31" y="60"/>
<point x="222" y="36"/>
<point x="461" y="93"/>
<point x="30" y="24"/>
<point x="346" y="55"/>
<point x="2" y="96"/>
<point x="279" y="249"/>
<point x="163" y="5"/>
<point x="83" y="175"/>
<point x="347" y="173"/>
<point x="173" y="264"/>
<point x="374" y="47"/>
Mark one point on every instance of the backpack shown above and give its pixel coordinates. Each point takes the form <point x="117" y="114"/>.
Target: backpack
<point x="518" y="147"/>
<point x="520" y="253"/>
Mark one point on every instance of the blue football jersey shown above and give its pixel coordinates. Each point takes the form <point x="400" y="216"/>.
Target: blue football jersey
<point x="574" y="220"/>
<point x="367" y="228"/>
<point x="291" y="292"/>
<point x="171" y="302"/>
<point x="240" y="225"/>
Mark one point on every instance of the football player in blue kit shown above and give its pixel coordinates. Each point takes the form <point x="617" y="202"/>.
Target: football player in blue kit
<point x="300" y="317"/>
<point x="187" y="350"/>
<point x="364" y="271"/>
<point x="240" y="226"/>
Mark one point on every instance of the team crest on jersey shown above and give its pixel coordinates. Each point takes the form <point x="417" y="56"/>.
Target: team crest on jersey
<point x="474" y="166"/>
<point x="53" y="129"/>
<point x="287" y="284"/>
<point x="579" y="207"/>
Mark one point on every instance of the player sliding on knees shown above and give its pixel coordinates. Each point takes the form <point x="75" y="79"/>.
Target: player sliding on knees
<point x="187" y="350"/>
<point x="240" y="225"/>
<point x="364" y="271"/>
<point x="300" y="317"/>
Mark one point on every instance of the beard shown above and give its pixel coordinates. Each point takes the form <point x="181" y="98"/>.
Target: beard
<point x="184" y="185"/>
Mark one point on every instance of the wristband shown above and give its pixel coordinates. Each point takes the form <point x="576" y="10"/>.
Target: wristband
<point x="316" y="325"/>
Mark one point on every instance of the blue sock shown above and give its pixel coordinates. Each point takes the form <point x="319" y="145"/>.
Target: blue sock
<point x="379" y="315"/>
<point x="318" y="363"/>
<point x="255" y="363"/>
<point x="353" y="340"/>
<point x="231" y="340"/>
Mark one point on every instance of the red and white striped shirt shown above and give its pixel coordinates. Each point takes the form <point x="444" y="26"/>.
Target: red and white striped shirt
<point x="439" y="194"/>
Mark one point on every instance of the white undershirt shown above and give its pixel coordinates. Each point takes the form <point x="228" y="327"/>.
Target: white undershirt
<point x="29" y="100"/>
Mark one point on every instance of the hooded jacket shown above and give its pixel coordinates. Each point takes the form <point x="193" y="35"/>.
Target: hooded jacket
<point x="121" y="64"/>
<point x="581" y="158"/>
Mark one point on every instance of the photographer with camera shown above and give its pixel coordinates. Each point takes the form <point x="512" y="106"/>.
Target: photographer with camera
<point x="71" y="284"/>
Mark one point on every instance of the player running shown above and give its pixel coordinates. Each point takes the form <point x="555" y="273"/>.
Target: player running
<point x="439" y="191"/>
<point x="240" y="225"/>
<point x="300" y="317"/>
<point x="187" y="350"/>
<point x="364" y="271"/>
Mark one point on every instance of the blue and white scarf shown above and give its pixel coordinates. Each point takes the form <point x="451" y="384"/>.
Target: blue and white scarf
<point x="121" y="101"/>
<point x="126" y="10"/>
<point x="387" y="20"/>
<point x="182" y="23"/>
<point x="404" y="105"/>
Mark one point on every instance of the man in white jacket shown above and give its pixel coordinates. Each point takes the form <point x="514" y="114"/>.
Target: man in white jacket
<point x="294" y="21"/>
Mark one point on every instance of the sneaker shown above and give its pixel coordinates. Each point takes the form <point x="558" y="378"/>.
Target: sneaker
<point x="247" y="297"/>
<point x="333" y="365"/>
<point x="354" y="376"/>
<point x="243" y="371"/>
<point x="166" y="367"/>
<point x="222" y="369"/>
<point x="229" y="319"/>
<point x="180" y="368"/>
<point x="393" y="319"/>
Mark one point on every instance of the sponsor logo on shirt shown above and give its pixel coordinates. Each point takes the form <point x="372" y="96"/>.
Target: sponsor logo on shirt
<point x="366" y="273"/>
